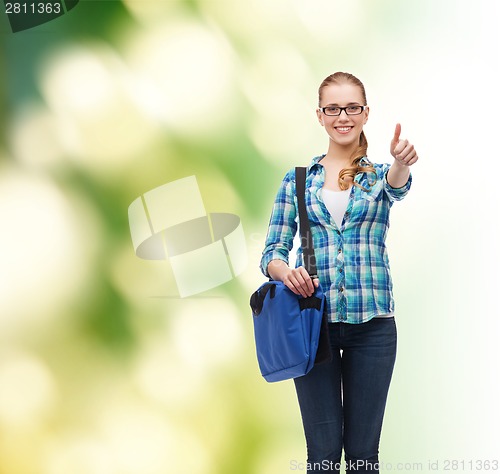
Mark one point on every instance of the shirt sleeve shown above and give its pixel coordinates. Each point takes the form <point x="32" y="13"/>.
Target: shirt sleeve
<point x="282" y="224"/>
<point x="394" y="194"/>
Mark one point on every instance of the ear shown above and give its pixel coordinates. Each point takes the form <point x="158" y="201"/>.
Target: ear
<point x="366" y="112"/>
<point x="320" y="117"/>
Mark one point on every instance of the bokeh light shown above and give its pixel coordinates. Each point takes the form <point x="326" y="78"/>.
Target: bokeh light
<point x="86" y="87"/>
<point x="28" y="389"/>
<point x="35" y="137"/>
<point x="184" y="73"/>
<point x="45" y="254"/>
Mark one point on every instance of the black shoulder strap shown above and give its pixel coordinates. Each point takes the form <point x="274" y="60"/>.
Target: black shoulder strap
<point x="306" y="240"/>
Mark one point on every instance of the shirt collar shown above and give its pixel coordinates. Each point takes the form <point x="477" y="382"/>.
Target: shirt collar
<point x="316" y="162"/>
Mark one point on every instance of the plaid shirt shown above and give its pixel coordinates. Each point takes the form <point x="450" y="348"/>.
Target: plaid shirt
<point x="352" y="262"/>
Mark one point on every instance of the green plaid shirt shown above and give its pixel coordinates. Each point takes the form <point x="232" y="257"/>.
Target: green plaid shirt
<point x="352" y="262"/>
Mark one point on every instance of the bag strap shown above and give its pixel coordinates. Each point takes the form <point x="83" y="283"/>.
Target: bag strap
<point x="306" y="240"/>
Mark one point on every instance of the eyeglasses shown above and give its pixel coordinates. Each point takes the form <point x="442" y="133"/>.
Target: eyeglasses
<point x="349" y="110"/>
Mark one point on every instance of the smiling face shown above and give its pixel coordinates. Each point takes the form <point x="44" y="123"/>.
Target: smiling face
<point x="343" y="130"/>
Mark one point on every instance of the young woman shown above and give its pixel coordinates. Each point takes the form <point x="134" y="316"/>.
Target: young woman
<point x="348" y="199"/>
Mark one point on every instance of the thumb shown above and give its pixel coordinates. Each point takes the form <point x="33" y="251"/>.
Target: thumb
<point x="316" y="282"/>
<point x="397" y="133"/>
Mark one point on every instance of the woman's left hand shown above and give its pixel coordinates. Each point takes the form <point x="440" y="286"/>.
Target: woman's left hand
<point x="402" y="150"/>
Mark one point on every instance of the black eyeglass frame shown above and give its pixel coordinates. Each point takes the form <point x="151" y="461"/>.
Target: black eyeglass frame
<point x="363" y="107"/>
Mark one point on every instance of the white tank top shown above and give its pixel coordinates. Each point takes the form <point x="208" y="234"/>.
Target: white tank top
<point x="336" y="202"/>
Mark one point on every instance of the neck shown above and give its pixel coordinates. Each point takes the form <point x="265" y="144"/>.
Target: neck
<point x="339" y="154"/>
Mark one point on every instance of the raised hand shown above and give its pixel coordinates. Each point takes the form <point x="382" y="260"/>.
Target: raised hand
<point x="402" y="150"/>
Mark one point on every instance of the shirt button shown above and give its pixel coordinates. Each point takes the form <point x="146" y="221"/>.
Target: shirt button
<point x="341" y="289"/>
<point x="340" y="270"/>
<point x="340" y="250"/>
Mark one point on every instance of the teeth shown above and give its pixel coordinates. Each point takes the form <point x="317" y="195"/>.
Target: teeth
<point x="344" y="129"/>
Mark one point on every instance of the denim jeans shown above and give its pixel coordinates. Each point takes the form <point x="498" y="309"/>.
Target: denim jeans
<point x="342" y="402"/>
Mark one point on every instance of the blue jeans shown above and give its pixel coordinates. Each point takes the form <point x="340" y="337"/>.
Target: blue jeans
<point x="342" y="402"/>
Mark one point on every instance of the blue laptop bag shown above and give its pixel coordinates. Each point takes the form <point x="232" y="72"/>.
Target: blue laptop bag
<point x="287" y="330"/>
<point x="291" y="332"/>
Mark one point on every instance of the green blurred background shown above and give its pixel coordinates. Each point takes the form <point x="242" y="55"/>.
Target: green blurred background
<point x="103" y="368"/>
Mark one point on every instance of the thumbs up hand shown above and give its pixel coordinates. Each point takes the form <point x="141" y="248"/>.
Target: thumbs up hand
<point x="402" y="150"/>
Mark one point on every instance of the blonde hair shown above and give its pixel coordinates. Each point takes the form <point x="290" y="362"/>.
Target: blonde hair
<point x="347" y="175"/>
